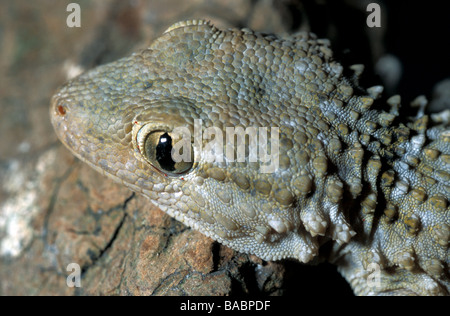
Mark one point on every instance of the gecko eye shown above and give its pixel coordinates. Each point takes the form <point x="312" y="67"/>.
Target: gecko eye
<point x="167" y="152"/>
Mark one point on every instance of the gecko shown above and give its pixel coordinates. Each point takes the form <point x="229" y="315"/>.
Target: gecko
<point x="355" y="183"/>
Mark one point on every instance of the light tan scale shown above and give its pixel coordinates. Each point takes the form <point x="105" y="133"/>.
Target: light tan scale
<point x="352" y="173"/>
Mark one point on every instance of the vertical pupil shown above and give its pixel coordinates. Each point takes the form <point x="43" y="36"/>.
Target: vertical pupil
<point x="164" y="152"/>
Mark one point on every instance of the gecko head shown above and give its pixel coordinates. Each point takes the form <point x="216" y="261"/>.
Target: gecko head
<point x="111" y="124"/>
<point x="158" y="121"/>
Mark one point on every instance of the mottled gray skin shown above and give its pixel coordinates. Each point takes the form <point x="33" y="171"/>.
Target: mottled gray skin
<point x="351" y="172"/>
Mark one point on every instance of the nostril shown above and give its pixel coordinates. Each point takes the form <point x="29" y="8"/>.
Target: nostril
<point x="61" y="110"/>
<point x="58" y="107"/>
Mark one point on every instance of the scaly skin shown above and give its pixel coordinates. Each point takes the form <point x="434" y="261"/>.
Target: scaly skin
<point x="352" y="174"/>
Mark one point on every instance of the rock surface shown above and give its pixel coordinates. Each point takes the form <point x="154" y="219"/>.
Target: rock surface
<point x="54" y="210"/>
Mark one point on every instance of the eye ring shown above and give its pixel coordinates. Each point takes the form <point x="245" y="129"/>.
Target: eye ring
<point x="168" y="152"/>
